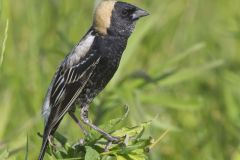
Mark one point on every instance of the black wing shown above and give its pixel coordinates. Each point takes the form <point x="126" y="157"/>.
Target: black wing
<point x="67" y="86"/>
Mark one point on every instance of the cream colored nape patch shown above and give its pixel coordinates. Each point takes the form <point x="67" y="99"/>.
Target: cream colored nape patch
<point x="102" y="16"/>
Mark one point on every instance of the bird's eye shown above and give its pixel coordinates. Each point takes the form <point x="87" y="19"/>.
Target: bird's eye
<point x="124" y="12"/>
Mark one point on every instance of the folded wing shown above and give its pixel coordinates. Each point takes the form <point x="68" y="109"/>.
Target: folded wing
<point x="67" y="86"/>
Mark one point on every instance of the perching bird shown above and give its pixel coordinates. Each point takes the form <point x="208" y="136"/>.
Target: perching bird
<point x="88" y="68"/>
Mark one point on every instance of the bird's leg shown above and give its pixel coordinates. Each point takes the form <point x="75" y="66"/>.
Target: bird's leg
<point x="108" y="145"/>
<point x="73" y="116"/>
<point x="84" y="116"/>
<point x="51" y="141"/>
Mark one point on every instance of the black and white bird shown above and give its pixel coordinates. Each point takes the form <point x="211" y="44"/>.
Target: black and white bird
<point x="88" y="68"/>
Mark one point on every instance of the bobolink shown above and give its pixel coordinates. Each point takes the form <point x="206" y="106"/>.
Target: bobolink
<point x="88" y="68"/>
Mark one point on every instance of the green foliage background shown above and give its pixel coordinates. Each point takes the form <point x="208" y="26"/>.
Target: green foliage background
<point x="181" y="68"/>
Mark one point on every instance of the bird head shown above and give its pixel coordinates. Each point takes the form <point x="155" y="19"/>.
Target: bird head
<point x="116" y="18"/>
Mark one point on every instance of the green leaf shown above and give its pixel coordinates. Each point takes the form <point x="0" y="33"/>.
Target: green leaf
<point x="91" y="154"/>
<point x="139" y="155"/>
<point x="107" y="157"/>
<point x="109" y="126"/>
<point x="131" y="132"/>
<point x="61" y="138"/>
<point x="139" y="145"/>
<point x="121" y="158"/>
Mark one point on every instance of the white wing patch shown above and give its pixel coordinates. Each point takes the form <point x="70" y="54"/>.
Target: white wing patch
<point x="80" y="50"/>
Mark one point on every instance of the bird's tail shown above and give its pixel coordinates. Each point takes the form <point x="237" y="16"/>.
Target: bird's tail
<point x="43" y="148"/>
<point x="48" y="131"/>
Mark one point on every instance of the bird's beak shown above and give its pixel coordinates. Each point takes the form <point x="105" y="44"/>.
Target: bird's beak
<point x="139" y="13"/>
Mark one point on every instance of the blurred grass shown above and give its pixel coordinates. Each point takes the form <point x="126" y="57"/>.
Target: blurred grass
<point x="182" y="64"/>
<point x="4" y="43"/>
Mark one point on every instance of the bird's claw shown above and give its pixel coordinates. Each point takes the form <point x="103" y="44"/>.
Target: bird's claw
<point x="51" y="141"/>
<point x="113" y="140"/>
<point x="108" y="145"/>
